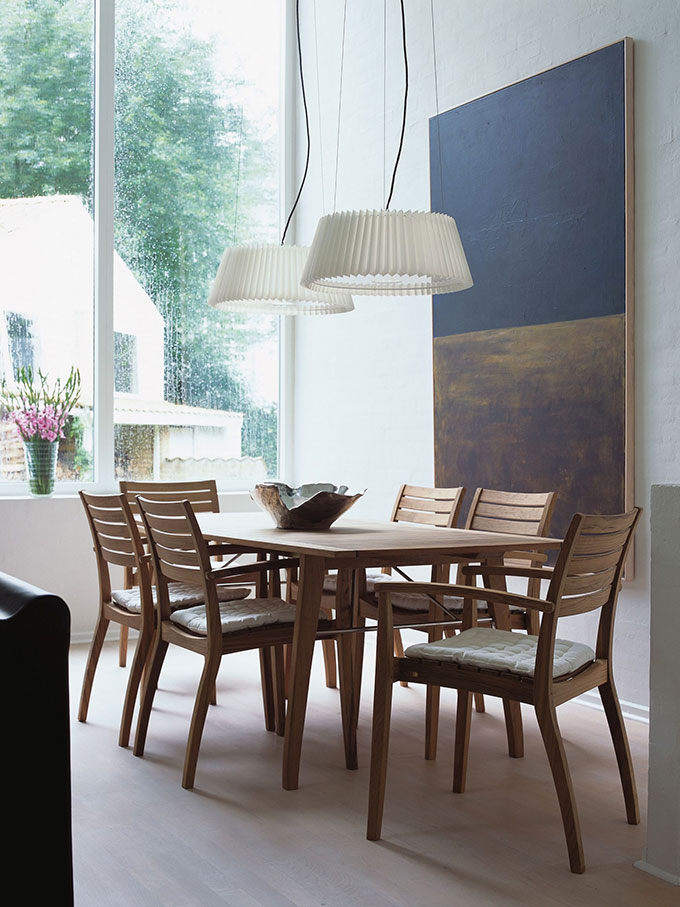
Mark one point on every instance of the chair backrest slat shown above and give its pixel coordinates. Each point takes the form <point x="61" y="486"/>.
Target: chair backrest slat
<point x="516" y="527"/>
<point x="428" y="506"/>
<point x="588" y="571"/>
<point x="109" y="529"/>
<point x="202" y="494"/>
<point x="177" y="556"/>
<point x="511" y="512"/>
<point x="115" y="537"/>
<point x="192" y="575"/>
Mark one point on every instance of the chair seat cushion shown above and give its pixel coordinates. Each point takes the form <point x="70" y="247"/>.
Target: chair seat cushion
<point x="502" y="650"/>
<point x="182" y="595"/>
<point x="330" y="582"/>
<point x="255" y="612"/>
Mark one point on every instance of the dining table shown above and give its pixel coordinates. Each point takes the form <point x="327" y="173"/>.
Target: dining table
<point x="349" y="546"/>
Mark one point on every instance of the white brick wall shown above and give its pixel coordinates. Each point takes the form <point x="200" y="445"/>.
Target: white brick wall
<point x="374" y="366"/>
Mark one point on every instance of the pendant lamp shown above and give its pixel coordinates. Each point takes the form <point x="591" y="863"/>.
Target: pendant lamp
<point x="387" y="252"/>
<point x="265" y="278"/>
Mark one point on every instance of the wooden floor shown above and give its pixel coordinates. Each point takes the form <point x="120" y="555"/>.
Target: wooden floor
<point x="239" y="839"/>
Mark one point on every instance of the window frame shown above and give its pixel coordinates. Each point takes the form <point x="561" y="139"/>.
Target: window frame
<point x="103" y="202"/>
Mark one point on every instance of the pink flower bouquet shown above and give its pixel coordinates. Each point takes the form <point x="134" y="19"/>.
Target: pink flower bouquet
<point x="39" y="412"/>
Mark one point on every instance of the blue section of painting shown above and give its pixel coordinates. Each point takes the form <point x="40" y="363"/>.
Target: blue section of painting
<point x="534" y="176"/>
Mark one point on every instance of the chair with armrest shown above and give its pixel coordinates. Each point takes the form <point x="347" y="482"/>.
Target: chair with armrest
<point x="204" y="499"/>
<point x="116" y="541"/>
<point x="490" y="511"/>
<point x="180" y="553"/>
<point x="541" y="670"/>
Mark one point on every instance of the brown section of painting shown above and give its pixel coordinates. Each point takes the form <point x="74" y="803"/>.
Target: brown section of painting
<point x="538" y="408"/>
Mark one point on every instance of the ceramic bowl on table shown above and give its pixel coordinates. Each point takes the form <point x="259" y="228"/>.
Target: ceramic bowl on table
<point x="313" y="506"/>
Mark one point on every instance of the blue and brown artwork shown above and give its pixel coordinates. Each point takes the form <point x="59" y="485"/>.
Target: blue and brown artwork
<point x="530" y="365"/>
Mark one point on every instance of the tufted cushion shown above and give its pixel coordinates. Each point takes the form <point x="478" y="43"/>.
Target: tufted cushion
<point x="255" y="612"/>
<point x="502" y="650"/>
<point x="182" y="595"/>
<point x="330" y="582"/>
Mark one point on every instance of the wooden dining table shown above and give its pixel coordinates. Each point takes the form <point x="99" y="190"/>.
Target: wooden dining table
<point x="348" y="546"/>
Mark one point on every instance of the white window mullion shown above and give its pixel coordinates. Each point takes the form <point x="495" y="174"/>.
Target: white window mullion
<point x="103" y="241"/>
<point x="288" y="169"/>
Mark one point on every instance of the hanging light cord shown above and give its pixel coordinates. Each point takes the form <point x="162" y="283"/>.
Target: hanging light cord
<point x="436" y="103"/>
<point x="304" y="102"/>
<point x="403" y="120"/>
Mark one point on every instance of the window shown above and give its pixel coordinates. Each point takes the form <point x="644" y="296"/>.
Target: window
<point x="125" y="363"/>
<point x="196" y="160"/>
<point x="21" y="342"/>
<point x="46" y="238"/>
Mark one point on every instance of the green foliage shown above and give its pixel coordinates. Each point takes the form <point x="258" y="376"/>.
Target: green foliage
<point x="185" y="159"/>
<point x="37" y="392"/>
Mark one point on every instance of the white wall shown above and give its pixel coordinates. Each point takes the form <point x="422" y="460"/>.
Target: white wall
<point x="363" y="381"/>
<point x="47" y="542"/>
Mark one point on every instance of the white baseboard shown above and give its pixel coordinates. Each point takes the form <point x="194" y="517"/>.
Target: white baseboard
<point x="84" y="638"/>
<point x="655" y="871"/>
<point x="631" y="710"/>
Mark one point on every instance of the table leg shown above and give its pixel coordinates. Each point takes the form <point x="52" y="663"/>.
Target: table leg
<point x="511" y="708"/>
<point x="306" y="620"/>
<point x="346" y="658"/>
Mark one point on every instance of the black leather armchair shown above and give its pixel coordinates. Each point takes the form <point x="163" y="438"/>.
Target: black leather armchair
<point x="35" y="764"/>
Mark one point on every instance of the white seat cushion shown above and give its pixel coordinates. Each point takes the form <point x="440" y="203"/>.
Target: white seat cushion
<point x="182" y="595"/>
<point x="502" y="650"/>
<point x="255" y="612"/>
<point x="330" y="582"/>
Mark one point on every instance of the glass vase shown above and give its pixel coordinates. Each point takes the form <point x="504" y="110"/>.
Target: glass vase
<point x="41" y="466"/>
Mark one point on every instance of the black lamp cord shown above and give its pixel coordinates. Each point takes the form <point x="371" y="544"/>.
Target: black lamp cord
<point x="403" y="121"/>
<point x="304" y="102"/>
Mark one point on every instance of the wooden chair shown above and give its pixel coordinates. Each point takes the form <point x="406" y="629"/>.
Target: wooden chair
<point x="490" y="511"/>
<point x="539" y="670"/>
<point x="116" y="540"/>
<point x="204" y="499"/>
<point x="212" y="630"/>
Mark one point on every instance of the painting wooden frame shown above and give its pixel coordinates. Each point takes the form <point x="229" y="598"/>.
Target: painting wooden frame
<point x="534" y="365"/>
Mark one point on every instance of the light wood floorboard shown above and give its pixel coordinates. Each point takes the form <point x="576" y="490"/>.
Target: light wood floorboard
<point x="239" y="839"/>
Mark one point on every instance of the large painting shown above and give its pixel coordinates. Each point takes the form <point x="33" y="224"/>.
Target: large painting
<point x="533" y="364"/>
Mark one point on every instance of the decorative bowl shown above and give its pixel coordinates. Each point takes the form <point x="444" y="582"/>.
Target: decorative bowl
<point x="314" y="506"/>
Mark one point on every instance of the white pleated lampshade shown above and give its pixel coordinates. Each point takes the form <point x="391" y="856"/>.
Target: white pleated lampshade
<point x="266" y="278"/>
<point x="387" y="253"/>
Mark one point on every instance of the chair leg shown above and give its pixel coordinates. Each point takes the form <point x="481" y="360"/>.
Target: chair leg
<point x="462" y="744"/>
<point x="287" y="656"/>
<point x="123" y="646"/>
<point x="399" y="652"/>
<point x="279" y="676"/>
<point x="267" y="688"/>
<point x="513" y="727"/>
<point x="617" y="728"/>
<point x="213" y="694"/>
<point x="148" y="692"/>
<point x="552" y="739"/>
<point x="359" y="641"/>
<point x="205" y="685"/>
<point x="92" y="660"/>
<point x="329" y="663"/>
<point x="136" y="671"/>
<point x="479" y="702"/>
<point x="432" y="696"/>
